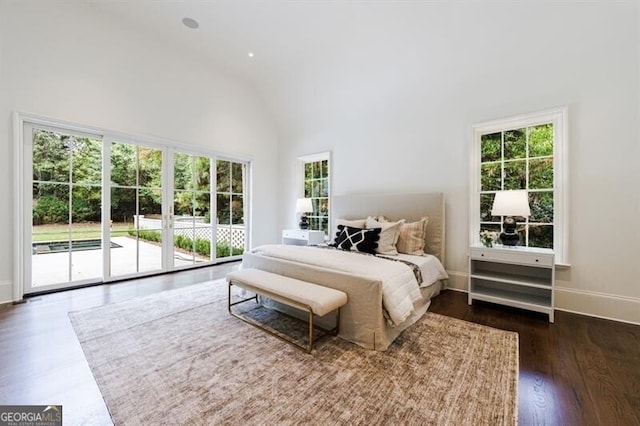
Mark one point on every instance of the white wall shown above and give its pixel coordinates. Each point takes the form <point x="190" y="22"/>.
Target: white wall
<point x="72" y="63"/>
<point x="400" y="120"/>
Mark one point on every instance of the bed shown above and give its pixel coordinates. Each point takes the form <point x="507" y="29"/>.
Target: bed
<point x="375" y="287"/>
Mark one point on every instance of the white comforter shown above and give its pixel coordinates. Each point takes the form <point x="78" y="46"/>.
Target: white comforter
<point x="399" y="286"/>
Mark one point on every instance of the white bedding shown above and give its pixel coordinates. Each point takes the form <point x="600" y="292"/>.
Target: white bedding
<point x="432" y="269"/>
<point x="400" y="288"/>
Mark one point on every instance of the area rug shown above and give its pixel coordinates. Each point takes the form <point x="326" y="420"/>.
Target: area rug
<point x="178" y="357"/>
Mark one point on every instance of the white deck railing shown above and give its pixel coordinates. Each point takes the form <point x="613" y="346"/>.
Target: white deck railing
<point x="194" y="227"/>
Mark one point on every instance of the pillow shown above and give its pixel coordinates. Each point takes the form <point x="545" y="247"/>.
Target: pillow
<point x="412" y="237"/>
<point x="355" y="239"/>
<point x="388" y="235"/>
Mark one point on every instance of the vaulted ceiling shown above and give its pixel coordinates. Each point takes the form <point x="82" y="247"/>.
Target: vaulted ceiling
<point x="343" y="55"/>
<point x="351" y="56"/>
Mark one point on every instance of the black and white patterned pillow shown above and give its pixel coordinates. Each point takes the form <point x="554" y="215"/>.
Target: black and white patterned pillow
<point x="355" y="239"/>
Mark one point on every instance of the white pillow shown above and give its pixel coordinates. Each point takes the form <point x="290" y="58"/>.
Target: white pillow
<point x="388" y="235"/>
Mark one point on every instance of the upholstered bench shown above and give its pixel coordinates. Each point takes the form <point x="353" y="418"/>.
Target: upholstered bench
<point x="303" y="295"/>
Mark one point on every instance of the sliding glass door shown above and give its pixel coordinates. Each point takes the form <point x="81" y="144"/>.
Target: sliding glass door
<point x="230" y="208"/>
<point x="65" y="208"/>
<point x="136" y="225"/>
<point x="198" y="236"/>
<point x="192" y="229"/>
<point x="105" y="208"/>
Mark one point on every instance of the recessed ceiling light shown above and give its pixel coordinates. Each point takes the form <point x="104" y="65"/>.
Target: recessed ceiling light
<point x="190" y="23"/>
<point x="250" y="54"/>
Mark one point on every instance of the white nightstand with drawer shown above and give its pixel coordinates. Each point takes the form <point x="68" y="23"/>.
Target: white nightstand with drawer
<point x="302" y="237"/>
<point x="522" y="277"/>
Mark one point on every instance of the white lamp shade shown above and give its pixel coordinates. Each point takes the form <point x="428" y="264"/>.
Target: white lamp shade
<point x="511" y="203"/>
<point x="303" y="205"/>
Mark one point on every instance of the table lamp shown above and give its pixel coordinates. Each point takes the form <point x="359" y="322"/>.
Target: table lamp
<point x="510" y="204"/>
<point x="304" y="206"/>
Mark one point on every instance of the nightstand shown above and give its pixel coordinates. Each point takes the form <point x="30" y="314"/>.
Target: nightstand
<point x="302" y="237"/>
<point x="522" y="277"/>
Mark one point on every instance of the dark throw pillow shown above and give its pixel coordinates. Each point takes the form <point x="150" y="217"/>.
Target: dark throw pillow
<point x="355" y="239"/>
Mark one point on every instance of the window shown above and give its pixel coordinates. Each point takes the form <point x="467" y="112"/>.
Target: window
<point x="315" y="185"/>
<point x="526" y="152"/>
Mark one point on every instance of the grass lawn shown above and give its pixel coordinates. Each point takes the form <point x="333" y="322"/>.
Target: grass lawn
<point x="80" y="231"/>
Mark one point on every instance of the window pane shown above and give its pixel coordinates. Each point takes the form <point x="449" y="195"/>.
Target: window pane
<point x="541" y="236"/>
<point x="541" y="140"/>
<point x="515" y="175"/>
<point x="236" y="178"/>
<point x="124" y="259"/>
<point x="86" y="204"/>
<point x="317" y="169"/>
<point x="86" y="251"/>
<point x="541" y="204"/>
<point x="150" y="202"/>
<point x="491" y="177"/>
<point x="51" y="156"/>
<point x="203" y="173"/>
<point x="50" y="206"/>
<point x="317" y="188"/>
<point x="324" y="225"/>
<point x="486" y="204"/>
<point x="324" y="190"/>
<point x="541" y="173"/>
<point x="237" y="210"/>
<point x="203" y="207"/>
<point x="223" y="207"/>
<point x="123" y="205"/>
<point x="308" y="171"/>
<point x="223" y="176"/>
<point x="183" y="203"/>
<point x="325" y="168"/>
<point x="515" y="144"/>
<point x="490" y="227"/>
<point x="150" y="167"/>
<point x="87" y="160"/>
<point x="491" y="147"/>
<point x="182" y="178"/>
<point x="308" y="189"/>
<point x="324" y="206"/>
<point x="149" y="249"/>
<point x="123" y="164"/>
<point x="183" y="244"/>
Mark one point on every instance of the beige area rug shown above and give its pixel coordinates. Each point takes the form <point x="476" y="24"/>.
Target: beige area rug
<point x="178" y="357"/>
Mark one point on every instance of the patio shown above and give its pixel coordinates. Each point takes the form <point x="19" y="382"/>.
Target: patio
<point x="53" y="268"/>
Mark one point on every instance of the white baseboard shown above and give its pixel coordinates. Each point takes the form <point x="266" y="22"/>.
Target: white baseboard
<point x="6" y="291"/>
<point x="583" y="302"/>
<point x="458" y="281"/>
<point x="599" y="305"/>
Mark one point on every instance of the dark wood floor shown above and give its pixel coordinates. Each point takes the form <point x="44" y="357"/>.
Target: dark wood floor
<point x="578" y="371"/>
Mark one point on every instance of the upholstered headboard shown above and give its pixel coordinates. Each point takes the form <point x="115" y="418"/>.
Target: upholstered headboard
<point x="411" y="207"/>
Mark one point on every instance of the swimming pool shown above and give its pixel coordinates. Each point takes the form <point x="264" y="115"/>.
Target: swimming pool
<point x="46" y="247"/>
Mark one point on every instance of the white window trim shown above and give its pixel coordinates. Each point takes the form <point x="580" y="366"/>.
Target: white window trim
<point x="320" y="156"/>
<point x="560" y="120"/>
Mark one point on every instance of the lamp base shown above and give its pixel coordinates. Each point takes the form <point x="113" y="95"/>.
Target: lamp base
<point x="508" y="239"/>
<point x="509" y="236"/>
<point x="304" y="224"/>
